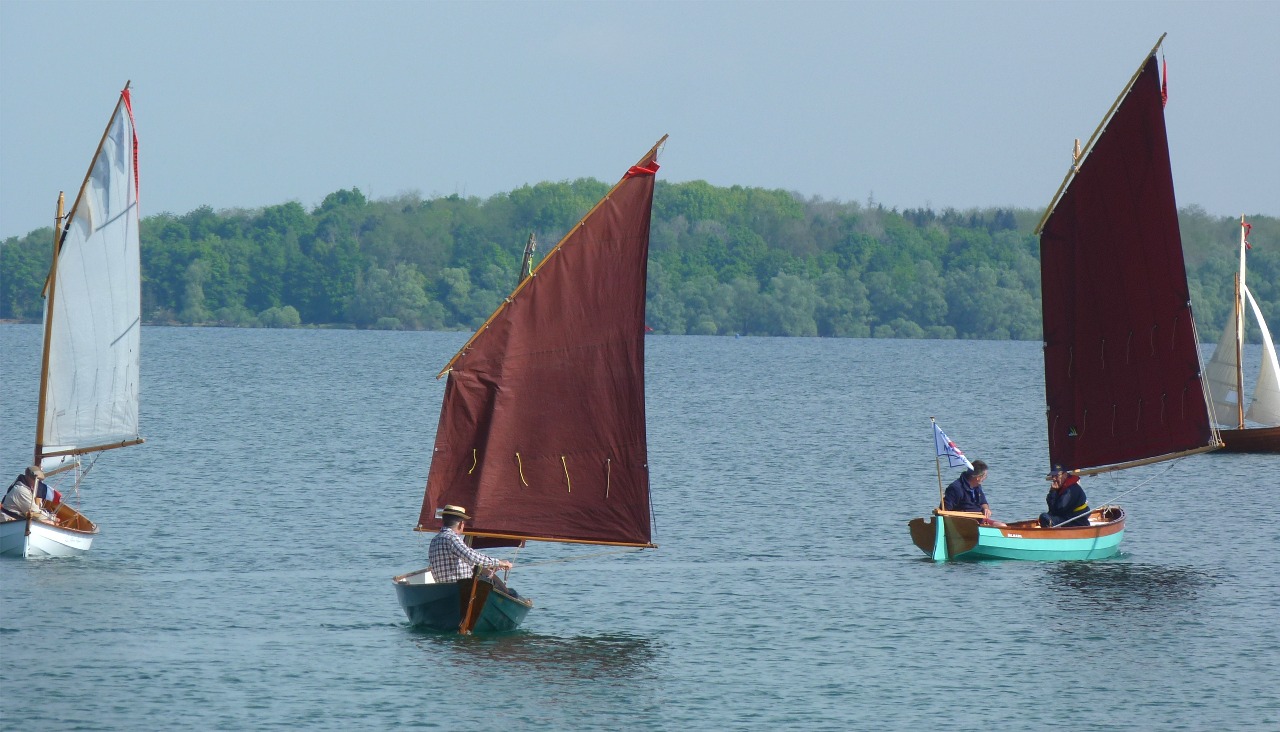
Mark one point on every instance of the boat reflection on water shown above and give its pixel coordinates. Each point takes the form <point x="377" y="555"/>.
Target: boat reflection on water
<point x="586" y="657"/>
<point x="1113" y="586"/>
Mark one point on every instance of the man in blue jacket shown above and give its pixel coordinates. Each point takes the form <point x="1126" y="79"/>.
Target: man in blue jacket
<point x="1067" y="503"/>
<point x="965" y="494"/>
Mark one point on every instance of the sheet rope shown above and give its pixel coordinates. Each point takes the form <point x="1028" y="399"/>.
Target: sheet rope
<point x="1115" y="500"/>
<point x="584" y="556"/>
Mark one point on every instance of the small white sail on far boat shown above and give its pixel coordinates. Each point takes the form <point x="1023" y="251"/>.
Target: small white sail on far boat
<point x="1225" y="375"/>
<point x="89" y="371"/>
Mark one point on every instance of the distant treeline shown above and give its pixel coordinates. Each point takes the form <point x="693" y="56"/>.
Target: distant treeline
<point x="722" y="261"/>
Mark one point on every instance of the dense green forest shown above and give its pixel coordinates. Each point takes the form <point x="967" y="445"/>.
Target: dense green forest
<point x="722" y="261"/>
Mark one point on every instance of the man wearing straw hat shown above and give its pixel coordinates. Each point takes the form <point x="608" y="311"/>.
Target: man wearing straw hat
<point x="451" y="558"/>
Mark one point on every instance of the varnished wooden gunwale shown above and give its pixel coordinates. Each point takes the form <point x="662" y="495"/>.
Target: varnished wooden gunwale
<point x="1031" y="529"/>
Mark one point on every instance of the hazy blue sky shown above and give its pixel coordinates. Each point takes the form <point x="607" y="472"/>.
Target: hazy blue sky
<point x="960" y="104"/>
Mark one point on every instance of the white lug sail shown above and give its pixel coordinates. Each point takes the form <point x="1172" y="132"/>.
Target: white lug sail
<point x="91" y="399"/>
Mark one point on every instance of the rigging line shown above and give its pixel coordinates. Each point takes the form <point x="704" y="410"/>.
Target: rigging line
<point x="1143" y="483"/>
<point x="585" y="556"/>
<point x="85" y="473"/>
<point x="80" y="473"/>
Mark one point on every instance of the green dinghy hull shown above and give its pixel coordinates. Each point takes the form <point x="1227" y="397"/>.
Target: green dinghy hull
<point x="965" y="538"/>
<point x="440" y="606"/>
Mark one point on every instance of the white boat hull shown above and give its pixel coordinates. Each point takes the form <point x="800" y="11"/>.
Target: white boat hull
<point x="30" y="538"/>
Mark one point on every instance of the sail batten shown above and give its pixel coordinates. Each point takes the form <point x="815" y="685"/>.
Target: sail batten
<point x="542" y="427"/>
<point x="90" y="391"/>
<point x="1112" y="274"/>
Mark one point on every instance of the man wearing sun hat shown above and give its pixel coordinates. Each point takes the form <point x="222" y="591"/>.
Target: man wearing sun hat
<point x="451" y="558"/>
<point x="24" y="497"/>
<point x="1067" y="503"/>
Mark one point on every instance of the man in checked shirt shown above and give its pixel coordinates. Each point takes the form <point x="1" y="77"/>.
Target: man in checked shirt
<point x="451" y="559"/>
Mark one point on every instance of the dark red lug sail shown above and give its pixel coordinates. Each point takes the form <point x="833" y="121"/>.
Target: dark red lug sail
<point x="542" y="429"/>
<point x="1122" y="374"/>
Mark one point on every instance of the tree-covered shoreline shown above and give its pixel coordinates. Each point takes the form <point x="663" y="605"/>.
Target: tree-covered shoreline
<point x="723" y="260"/>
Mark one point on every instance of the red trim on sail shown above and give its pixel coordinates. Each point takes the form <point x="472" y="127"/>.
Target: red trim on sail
<point x="133" y="129"/>
<point x="1164" y="83"/>
<point x="637" y="170"/>
<point x="1122" y="375"/>
<point x="542" y="429"/>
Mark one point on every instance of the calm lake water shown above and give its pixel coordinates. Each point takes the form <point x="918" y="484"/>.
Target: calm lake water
<point x="242" y="579"/>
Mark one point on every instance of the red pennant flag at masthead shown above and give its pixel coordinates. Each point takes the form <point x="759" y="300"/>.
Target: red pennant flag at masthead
<point x="1164" y="84"/>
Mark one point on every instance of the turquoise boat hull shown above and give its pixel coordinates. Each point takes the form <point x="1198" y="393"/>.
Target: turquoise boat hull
<point x="965" y="538"/>
<point x="440" y="606"/>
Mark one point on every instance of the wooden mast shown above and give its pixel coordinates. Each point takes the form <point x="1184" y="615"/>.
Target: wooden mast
<point x="48" y="330"/>
<point x="541" y="264"/>
<point x="1239" y="305"/>
<point x="1239" y="357"/>
<point x="1079" y="157"/>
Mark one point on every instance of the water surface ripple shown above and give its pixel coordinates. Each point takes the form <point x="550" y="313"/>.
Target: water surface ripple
<point x="242" y="577"/>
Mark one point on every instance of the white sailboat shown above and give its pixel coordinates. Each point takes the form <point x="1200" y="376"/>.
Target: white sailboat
<point x="1225" y="376"/>
<point x="89" y="372"/>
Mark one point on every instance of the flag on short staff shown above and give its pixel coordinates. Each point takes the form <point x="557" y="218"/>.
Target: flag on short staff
<point x="946" y="448"/>
<point x="45" y="493"/>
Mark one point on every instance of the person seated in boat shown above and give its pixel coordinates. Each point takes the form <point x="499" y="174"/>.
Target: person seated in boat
<point x="1067" y="503"/>
<point x="451" y="558"/>
<point x="965" y="494"/>
<point x="24" y="497"/>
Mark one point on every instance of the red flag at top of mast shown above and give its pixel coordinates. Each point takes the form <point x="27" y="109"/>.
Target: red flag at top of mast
<point x="1164" y="84"/>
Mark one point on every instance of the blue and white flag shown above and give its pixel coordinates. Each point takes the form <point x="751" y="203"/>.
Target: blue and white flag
<point x="946" y="448"/>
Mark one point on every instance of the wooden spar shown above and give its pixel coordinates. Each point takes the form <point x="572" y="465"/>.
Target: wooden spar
<point x="550" y="254"/>
<point x="1075" y="165"/>
<point x="101" y="141"/>
<point x="962" y="514"/>
<point x="1217" y="443"/>
<point x="1239" y="356"/>
<point x="61" y="469"/>
<point x="516" y="537"/>
<point x="1239" y="304"/>
<point x="526" y="264"/>
<point x="48" y="330"/>
<point x="94" y="448"/>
